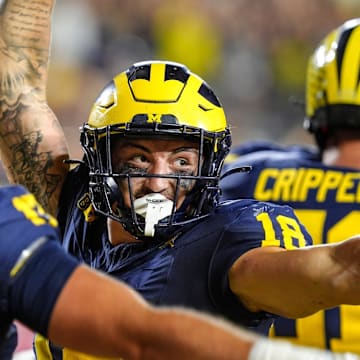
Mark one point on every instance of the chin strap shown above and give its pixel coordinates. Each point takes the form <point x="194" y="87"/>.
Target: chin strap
<point x="153" y="207"/>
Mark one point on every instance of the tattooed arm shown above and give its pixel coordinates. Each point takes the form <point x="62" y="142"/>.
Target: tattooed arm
<point x="32" y="142"/>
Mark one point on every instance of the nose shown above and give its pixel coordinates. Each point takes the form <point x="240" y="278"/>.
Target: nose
<point x="158" y="184"/>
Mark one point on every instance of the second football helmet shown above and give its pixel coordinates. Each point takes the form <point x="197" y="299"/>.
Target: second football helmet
<point x="333" y="83"/>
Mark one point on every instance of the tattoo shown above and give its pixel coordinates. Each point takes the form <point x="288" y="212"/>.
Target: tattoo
<point x="33" y="167"/>
<point x="24" y="51"/>
<point x="27" y="164"/>
<point x="24" y="44"/>
<point x="26" y="21"/>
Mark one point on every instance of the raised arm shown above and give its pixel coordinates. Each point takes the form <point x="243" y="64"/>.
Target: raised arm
<point x="32" y="143"/>
<point x="297" y="283"/>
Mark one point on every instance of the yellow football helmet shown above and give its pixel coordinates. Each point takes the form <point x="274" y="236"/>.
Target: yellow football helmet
<point x="155" y="99"/>
<point x="333" y="83"/>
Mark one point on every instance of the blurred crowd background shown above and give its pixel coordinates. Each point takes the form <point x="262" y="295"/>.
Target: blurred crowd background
<point x="253" y="53"/>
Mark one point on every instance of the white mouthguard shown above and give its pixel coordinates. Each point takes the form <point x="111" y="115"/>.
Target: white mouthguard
<point x="152" y="207"/>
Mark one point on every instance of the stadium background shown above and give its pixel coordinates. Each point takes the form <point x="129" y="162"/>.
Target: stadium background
<point x="252" y="52"/>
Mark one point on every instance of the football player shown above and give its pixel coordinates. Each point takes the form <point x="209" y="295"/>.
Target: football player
<point x="142" y="205"/>
<point x="51" y="293"/>
<point x="323" y="185"/>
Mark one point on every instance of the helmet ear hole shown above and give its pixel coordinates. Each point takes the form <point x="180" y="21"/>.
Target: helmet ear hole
<point x="318" y="125"/>
<point x="317" y="122"/>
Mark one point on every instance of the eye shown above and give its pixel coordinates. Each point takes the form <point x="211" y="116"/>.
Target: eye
<point x="181" y="162"/>
<point x="139" y="159"/>
<point x="133" y="163"/>
<point x="137" y="163"/>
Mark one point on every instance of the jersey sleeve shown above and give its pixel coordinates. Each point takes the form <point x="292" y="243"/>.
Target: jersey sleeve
<point x="33" y="268"/>
<point x="36" y="288"/>
<point x="253" y="225"/>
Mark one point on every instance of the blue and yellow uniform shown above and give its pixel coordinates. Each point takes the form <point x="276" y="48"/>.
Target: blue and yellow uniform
<point x="327" y="201"/>
<point x="30" y="259"/>
<point x="189" y="270"/>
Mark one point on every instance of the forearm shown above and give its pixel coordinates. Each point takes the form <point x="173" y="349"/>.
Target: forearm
<point x="290" y="283"/>
<point x="190" y="338"/>
<point x="182" y="334"/>
<point x="346" y="280"/>
<point x="33" y="149"/>
<point x="32" y="143"/>
<point x="26" y="32"/>
<point x="98" y="315"/>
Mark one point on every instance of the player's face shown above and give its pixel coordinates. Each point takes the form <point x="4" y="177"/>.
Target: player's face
<point x="152" y="156"/>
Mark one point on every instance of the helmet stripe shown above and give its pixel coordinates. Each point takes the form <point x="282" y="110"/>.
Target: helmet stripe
<point x="342" y="44"/>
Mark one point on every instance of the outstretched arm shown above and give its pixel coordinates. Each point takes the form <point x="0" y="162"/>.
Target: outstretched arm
<point x="32" y="143"/>
<point x="126" y="325"/>
<point x="300" y="282"/>
<point x="88" y="311"/>
<point x="98" y="315"/>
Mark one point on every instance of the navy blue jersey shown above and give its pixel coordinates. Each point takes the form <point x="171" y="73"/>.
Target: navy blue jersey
<point x="256" y="146"/>
<point x="190" y="270"/>
<point x="30" y="258"/>
<point x="327" y="201"/>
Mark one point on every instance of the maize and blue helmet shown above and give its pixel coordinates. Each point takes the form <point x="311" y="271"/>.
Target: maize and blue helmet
<point x="333" y="83"/>
<point x="155" y="100"/>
